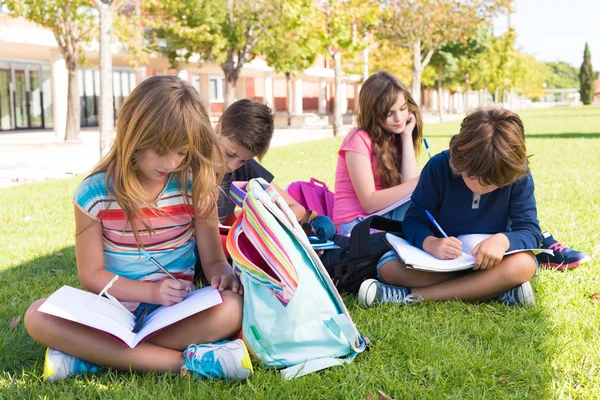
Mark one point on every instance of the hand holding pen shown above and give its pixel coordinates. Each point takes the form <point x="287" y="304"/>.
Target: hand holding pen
<point x="172" y="290"/>
<point x="446" y="248"/>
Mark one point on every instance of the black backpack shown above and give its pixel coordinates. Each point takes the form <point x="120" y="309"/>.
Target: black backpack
<point x="357" y="257"/>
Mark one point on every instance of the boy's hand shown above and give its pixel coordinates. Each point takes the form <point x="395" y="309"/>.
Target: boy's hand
<point x="490" y="252"/>
<point x="224" y="282"/>
<point x="169" y="291"/>
<point x="442" y="248"/>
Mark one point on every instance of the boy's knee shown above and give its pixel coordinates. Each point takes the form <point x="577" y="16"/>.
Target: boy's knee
<point x="522" y="267"/>
<point x="391" y="270"/>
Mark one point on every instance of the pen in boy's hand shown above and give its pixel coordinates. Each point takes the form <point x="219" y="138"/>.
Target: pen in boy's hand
<point x="159" y="266"/>
<point x="427" y="147"/>
<point x="434" y="222"/>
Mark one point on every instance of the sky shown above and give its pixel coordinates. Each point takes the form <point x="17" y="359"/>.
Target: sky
<point x="556" y="30"/>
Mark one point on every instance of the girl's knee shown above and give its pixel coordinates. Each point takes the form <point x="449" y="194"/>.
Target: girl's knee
<point x="34" y="319"/>
<point x="228" y="315"/>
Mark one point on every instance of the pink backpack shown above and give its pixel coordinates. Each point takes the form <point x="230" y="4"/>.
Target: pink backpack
<point x="313" y="195"/>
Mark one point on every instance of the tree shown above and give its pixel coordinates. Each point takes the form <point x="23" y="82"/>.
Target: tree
<point x="226" y="32"/>
<point x="71" y="22"/>
<point x="586" y="78"/>
<point x="128" y="25"/>
<point x="107" y="119"/>
<point x="346" y="27"/>
<point x="386" y="57"/>
<point x="422" y="26"/>
<point x="294" y="44"/>
<point x="561" y="75"/>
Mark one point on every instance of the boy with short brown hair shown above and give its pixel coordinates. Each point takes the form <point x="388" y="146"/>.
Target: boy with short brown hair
<point x="482" y="184"/>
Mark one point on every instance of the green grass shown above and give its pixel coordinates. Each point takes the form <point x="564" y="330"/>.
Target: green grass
<point x="444" y="350"/>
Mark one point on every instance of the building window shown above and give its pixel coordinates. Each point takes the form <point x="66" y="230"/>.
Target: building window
<point x="216" y="85"/>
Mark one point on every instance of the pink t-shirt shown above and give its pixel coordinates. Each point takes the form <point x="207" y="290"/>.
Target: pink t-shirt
<point x="346" y="206"/>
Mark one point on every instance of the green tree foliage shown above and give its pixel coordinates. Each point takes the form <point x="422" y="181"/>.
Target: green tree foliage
<point x="294" y="43"/>
<point x="71" y="21"/>
<point x="586" y="78"/>
<point x="346" y="27"/>
<point x="422" y="26"/>
<point x="561" y="75"/>
<point x="225" y="32"/>
<point x="384" y="56"/>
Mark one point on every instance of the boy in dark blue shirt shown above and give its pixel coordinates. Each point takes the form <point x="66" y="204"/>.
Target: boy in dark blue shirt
<point x="481" y="185"/>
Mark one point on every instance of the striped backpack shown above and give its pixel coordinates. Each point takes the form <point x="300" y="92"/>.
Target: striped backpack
<point x="294" y="318"/>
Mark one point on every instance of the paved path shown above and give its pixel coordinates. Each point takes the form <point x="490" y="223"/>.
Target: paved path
<point x="33" y="156"/>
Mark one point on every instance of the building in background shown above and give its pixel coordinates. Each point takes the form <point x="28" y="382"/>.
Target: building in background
<point x="33" y="82"/>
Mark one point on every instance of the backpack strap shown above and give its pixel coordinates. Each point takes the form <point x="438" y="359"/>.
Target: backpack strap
<point x="359" y="237"/>
<point x="237" y="192"/>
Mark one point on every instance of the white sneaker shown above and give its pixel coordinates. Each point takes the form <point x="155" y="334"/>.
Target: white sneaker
<point x="221" y="360"/>
<point x="372" y="292"/>
<point x="59" y="366"/>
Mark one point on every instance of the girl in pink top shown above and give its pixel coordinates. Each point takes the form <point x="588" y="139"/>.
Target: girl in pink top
<point x="377" y="162"/>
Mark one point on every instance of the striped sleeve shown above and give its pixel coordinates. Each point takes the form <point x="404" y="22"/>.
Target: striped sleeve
<point x="92" y="197"/>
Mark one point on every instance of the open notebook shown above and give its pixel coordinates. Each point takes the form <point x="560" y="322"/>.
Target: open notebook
<point x="393" y="206"/>
<point x="112" y="317"/>
<point x="416" y="258"/>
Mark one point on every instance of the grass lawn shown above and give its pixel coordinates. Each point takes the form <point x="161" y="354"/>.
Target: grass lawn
<point x="443" y="350"/>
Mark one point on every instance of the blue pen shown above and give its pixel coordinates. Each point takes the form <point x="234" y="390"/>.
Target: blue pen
<point x="427" y="147"/>
<point x="434" y="222"/>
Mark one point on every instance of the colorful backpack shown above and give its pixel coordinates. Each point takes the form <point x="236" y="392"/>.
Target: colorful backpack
<point x="313" y="195"/>
<point x="294" y="318"/>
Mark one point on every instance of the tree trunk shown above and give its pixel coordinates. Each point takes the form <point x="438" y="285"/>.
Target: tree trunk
<point x="417" y="70"/>
<point x="337" y="101"/>
<point x="73" y="106"/>
<point x="107" y="119"/>
<point x="229" y="95"/>
<point x="440" y="90"/>
<point x="288" y="79"/>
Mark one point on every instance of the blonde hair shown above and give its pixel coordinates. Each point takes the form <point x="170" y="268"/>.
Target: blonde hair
<point x="491" y="147"/>
<point x="377" y="96"/>
<point x="163" y="114"/>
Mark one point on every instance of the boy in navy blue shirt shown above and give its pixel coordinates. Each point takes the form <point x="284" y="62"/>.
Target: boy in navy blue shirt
<point x="482" y="184"/>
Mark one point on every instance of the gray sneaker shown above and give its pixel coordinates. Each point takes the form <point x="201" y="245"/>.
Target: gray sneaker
<point x="519" y="295"/>
<point x="373" y="292"/>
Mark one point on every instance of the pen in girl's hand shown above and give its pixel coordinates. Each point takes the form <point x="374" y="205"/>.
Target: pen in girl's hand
<point x="159" y="266"/>
<point x="427" y="147"/>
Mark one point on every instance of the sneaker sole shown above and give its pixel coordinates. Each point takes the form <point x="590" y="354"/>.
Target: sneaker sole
<point x="48" y="367"/>
<point x="363" y="291"/>
<point x="246" y="361"/>
<point x="562" y="267"/>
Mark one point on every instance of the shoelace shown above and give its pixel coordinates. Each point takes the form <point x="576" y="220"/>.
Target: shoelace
<point x="393" y="294"/>
<point x="508" y="298"/>
<point x="559" y="247"/>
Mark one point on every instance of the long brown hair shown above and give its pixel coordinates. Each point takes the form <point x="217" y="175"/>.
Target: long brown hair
<point x="491" y="147"/>
<point x="164" y="114"/>
<point x="377" y="96"/>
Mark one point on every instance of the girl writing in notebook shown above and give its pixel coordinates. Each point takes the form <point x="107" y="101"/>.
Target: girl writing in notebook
<point x="155" y="190"/>
<point x="477" y="186"/>
<point x="377" y="162"/>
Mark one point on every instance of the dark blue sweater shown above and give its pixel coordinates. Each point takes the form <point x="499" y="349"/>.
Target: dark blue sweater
<point x="459" y="211"/>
